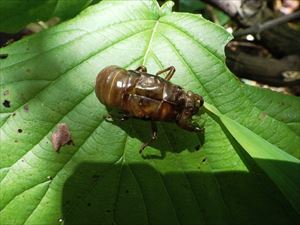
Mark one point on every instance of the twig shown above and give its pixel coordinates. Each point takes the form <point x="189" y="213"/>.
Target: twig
<point x="249" y="62"/>
<point x="258" y="28"/>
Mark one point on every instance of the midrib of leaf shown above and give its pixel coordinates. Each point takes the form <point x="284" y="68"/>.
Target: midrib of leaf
<point x="141" y="193"/>
<point x="121" y="161"/>
<point x="150" y="42"/>
<point x="186" y="178"/>
<point x="164" y="185"/>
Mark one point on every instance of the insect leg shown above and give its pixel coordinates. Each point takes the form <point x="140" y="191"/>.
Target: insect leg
<point x="122" y="117"/>
<point x="141" y="69"/>
<point x="188" y="125"/>
<point x="171" y="70"/>
<point x="153" y="138"/>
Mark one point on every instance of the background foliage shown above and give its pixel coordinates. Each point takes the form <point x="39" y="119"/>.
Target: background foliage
<point x="16" y="14"/>
<point x="244" y="173"/>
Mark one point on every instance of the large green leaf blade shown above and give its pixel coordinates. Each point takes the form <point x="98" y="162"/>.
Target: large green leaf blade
<point x="50" y="78"/>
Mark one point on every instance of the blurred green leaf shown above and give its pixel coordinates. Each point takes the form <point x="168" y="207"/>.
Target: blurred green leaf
<point x="197" y="6"/>
<point x="16" y="14"/>
<point x="191" y="5"/>
<point x="221" y="17"/>
<point x="49" y="78"/>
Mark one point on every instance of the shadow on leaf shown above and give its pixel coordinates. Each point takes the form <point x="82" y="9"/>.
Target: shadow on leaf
<point x="139" y="194"/>
<point x="171" y="138"/>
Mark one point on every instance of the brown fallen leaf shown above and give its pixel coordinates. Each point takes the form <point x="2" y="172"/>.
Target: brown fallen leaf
<point x="61" y="136"/>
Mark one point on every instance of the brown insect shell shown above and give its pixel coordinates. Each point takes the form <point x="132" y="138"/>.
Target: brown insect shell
<point x="138" y="94"/>
<point x="146" y="96"/>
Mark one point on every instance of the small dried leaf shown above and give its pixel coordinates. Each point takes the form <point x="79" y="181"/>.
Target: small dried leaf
<point x="61" y="137"/>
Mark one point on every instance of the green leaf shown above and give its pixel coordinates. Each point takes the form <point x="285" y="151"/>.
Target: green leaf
<point x="16" y="14"/>
<point x="282" y="108"/>
<point x="220" y="17"/>
<point x="191" y="5"/>
<point x="49" y="78"/>
<point x="166" y="8"/>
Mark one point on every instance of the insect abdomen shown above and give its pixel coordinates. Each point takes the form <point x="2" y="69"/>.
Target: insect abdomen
<point x="110" y="85"/>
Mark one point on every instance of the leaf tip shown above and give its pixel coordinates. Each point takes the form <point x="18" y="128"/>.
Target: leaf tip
<point x="166" y="8"/>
